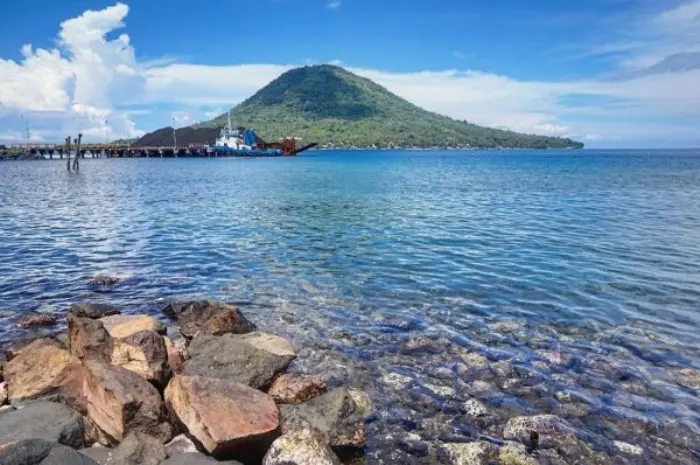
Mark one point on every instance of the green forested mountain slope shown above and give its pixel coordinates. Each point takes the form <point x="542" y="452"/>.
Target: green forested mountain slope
<point x="331" y="106"/>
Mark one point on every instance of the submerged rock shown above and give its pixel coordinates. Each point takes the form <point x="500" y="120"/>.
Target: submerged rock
<point x="40" y="452"/>
<point x="294" y="389"/>
<point x="93" y="310"/>
<point x="472" y="453"/>
<point x="228" y="418"/>
<point x="104" y="280"/>
<point x="209" y="317"/>
<point x="304" y="447"/>
<point x="144" y="353"/>
<point x="252" y="359"/>
<point x="515" y="454"/>
<point x="120" y="401"/>
<point x="44" y="420"/>
<point x="551" y="430"/>
<point x="138" y="449"/>
<point x="121" y="326"/>
<point x="335" y="415"/>
<point x="35" y="319"/>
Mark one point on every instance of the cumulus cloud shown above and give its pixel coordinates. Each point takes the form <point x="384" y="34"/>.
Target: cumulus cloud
<point x="89" y="79"/>
<point x="76" y="84"/>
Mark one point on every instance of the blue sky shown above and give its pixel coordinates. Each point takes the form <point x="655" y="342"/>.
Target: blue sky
<point x="613" y="73"/>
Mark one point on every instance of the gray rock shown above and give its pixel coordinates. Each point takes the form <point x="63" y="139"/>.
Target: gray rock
<point x="93" y="310"/>
<point x="209" y="317"/>
<point x="101" y="455"/>
<point x="335" y="415"/>
<point x="40" y="452"/>
<point x="252" y="359"/>
<point x="35" y="319"/>
<point x="43" y="420"/>
<point x="139" y="449"/>
<point x="551" y="431"/>
<point x="88" y="339"/>
<point x="304" y="447"/>
<point x="195" y="458"/>
<point x="181" y="444"/>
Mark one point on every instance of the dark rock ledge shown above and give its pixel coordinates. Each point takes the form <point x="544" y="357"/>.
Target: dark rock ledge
<point x="117" y="390"/>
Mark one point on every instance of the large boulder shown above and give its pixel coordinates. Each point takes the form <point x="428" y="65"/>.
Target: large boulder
<point x="290" y="388"/>
<point x="93" y="310"/>
<point x="143" y="353"/>
<point x="252" y="359"/>
<point x="44" y="420"/>
<point x="195" y="458"/>
<point x="304" y="447"/>
<point x="119" y="401"/>
<point x="35" y="319"/>
<point x="88" y="339"/>
<point x="121" y="326"/>
<point x="138" y="449"/>
<point x="36" y="368"/>
<point x="228" y="418"/>
<point x="335" y="415"/>
<point x="40" y="452"/>
<point x="209" y="317"/>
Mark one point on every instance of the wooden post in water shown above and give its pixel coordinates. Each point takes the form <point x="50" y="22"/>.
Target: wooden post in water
<point x="76" y="160"/>
<point x="68" y="151"/>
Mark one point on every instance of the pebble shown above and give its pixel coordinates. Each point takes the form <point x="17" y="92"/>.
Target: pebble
<point x="627" y="448"/>
<point x="475" y="408"/>
<point x="396" y="380"/>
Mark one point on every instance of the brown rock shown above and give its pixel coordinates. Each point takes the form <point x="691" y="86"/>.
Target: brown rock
<point x="88" y="339"/>
<point x="176" y="356"/>
<point x="34" y="319"/>
<point x="225" y="416"/>
<point x="120" y="401"/>
<point x="294" y="389"/>
<point x="121" y="326"/>
<point x="35" y="369"/>
<point x="93" y="310"/>
<point x="13" y="348"/>
<point x="143" y="353"/>
<point x="210" y="317"/>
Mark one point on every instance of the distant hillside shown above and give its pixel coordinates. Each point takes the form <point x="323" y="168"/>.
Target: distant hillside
<point x="185" y="136"/>
<point x="331" y="106"/>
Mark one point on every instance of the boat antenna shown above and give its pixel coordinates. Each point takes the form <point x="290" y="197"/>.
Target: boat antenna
<point x="229" y="121"/>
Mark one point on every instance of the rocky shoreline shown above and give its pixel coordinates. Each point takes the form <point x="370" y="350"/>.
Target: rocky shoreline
<point x="127" y="389"/>
<point x="209" y="385"/>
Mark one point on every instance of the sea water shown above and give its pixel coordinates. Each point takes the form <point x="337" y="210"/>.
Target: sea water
<point x="409" y="274"/>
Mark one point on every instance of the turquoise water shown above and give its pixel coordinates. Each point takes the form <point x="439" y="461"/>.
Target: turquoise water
<point x="356" y="254"/>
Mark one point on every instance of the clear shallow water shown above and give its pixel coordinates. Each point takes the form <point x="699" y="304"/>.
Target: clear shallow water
<point x="359" y="255"/>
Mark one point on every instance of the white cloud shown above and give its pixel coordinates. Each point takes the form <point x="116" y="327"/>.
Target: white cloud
<point x="75" y="84"/>
<point x="334" y="4"/>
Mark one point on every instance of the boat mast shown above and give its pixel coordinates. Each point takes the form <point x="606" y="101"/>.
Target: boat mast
<point x="230" y="129"/>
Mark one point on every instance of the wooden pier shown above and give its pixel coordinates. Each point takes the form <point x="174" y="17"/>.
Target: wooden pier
<point x="58" y="151"/>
